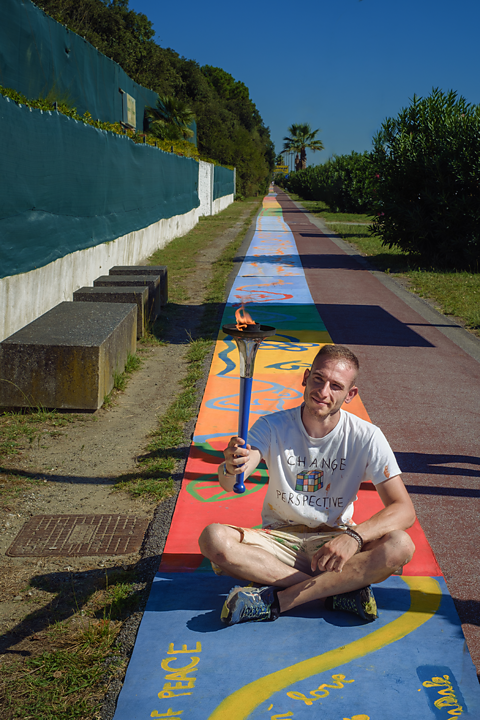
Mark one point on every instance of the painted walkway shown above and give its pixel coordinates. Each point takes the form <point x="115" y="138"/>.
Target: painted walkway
<point x="311" y="663"/>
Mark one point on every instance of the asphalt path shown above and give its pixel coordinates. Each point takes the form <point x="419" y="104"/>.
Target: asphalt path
<point x="420" y="382"/>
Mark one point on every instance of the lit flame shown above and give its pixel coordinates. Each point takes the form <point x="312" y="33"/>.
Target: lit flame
<point x="243" y="318"/>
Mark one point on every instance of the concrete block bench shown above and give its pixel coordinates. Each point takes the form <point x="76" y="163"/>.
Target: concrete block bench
<point x="138" y="295"/>
<point x="150" y="281"/>
<point x="66" y="359"/>
<point x="146" y="270"/>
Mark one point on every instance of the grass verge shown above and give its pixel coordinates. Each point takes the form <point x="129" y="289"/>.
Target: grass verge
<point x="69" y="664"/>
<point x="154" y="478"/>
<point x="20" y="430"/>
<point x="181" y="255"/>
<point x="120" y="380"/>
<point x="453" y="293"/>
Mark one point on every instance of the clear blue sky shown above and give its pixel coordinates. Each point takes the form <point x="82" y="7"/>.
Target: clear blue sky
<point x="342" y="66"/>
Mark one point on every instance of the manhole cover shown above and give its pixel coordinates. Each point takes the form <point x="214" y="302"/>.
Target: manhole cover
<point x="45" y="535"/>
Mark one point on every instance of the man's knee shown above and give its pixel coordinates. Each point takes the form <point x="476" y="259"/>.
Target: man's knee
<point x="216" y="541"/>
<point x="399" y="548"/>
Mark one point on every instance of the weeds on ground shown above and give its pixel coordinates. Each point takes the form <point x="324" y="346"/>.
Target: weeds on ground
<point x="167" y="444"/>
<point x="76" y="658"/>
<point x="12" y="485"/>
<point x="20" y="429"/>
<point x="456" y="293"/>
<point x="321" y="209"/>
<point x="180" y="256"/>
<point x="120" y="380"/>
<point x="151" y="337"/>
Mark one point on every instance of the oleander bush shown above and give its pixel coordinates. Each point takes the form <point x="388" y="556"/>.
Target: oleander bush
<point x="427" y="181"/>
<point x="345" y="183"/>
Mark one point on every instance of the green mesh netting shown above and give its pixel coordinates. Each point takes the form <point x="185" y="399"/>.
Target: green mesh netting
<point x="223" y="182"/>
<point x="41" y="58"/>
<point x="66" y="186"/>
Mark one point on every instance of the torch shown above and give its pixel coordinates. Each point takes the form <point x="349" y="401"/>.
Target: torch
<point x="248" y="336"/>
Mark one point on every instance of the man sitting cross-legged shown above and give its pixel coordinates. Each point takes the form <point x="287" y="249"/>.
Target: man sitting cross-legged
<point x="309" y="548"/>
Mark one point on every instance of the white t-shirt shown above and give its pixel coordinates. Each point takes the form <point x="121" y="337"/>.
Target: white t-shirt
<point x="316" y="480"/>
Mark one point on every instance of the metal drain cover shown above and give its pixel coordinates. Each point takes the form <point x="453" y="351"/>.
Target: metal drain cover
<point x="68" y="535"/>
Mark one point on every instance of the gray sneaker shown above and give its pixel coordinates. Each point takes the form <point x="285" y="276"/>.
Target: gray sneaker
<point x="250" y="604"/>
<point x="360" y="602"/>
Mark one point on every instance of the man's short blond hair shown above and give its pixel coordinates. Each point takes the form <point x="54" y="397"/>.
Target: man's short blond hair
<point x="340" y="353"/>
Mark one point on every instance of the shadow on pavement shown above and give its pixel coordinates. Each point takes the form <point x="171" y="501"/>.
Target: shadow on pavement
<point x="435" y="464"/>
<point x="368" y="325"/>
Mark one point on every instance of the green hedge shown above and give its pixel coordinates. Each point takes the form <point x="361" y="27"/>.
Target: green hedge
<point x="344" y="182"/>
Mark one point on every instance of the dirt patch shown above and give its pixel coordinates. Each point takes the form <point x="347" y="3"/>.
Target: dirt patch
<point x="74" y="469"/>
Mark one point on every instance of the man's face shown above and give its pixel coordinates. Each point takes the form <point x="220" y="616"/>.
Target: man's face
<point x="327" y="386"/>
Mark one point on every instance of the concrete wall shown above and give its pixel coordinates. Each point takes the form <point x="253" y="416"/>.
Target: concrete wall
<point x="221" y="203"/>
<point x="26" y="296"/>
<point x="205" y="188"/>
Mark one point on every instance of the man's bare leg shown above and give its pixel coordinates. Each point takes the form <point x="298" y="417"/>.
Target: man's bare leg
<point x="377" y="561"/>
<point x="222" y="545"/>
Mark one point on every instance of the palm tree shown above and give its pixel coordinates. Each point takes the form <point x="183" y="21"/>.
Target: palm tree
<point x="171" y="119"/>
<point x="302" y="137"/>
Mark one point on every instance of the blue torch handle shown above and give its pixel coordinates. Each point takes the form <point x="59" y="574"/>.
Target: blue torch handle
<point x="245" y="396"/>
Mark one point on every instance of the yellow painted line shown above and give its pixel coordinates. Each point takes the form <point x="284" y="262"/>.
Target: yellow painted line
<point x="425" y="596"/>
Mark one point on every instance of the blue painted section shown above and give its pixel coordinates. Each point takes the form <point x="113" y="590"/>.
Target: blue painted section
<point x="184" y="609"/>
<point x="272" y="265"/>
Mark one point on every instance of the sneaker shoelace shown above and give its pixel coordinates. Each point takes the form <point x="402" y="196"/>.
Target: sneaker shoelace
<point x="253" y="606"/>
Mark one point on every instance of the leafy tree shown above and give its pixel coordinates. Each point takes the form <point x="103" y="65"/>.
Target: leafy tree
<point x="171" y="119"/>
<point x="427" y="193"/>
<point x="230" y="129"/>
<point x="301" y="137"/>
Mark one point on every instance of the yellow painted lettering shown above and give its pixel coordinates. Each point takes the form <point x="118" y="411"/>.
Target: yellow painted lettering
<point x="282" y="717"/>
<point x="437" y="682"/>
<point x="300" y="696"/>
<point x="341" y="679"/>
<point x="321" y="691"/>
<point x="181" y="675"/>
<point x="456" y="712"/>
<point x="446" y="701"/>
<point x="171" y="650"/>
<point x="166" y="664"/>
<point x="180" y="685"/>
<point x="169" y="694"/>
<point x="169" y="713"/>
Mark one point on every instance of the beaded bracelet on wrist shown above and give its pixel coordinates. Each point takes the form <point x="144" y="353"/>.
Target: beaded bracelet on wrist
<point x="355" y="536"/>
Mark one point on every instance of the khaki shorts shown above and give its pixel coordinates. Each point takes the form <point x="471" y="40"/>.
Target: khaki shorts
<point x="293" y="545"/>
